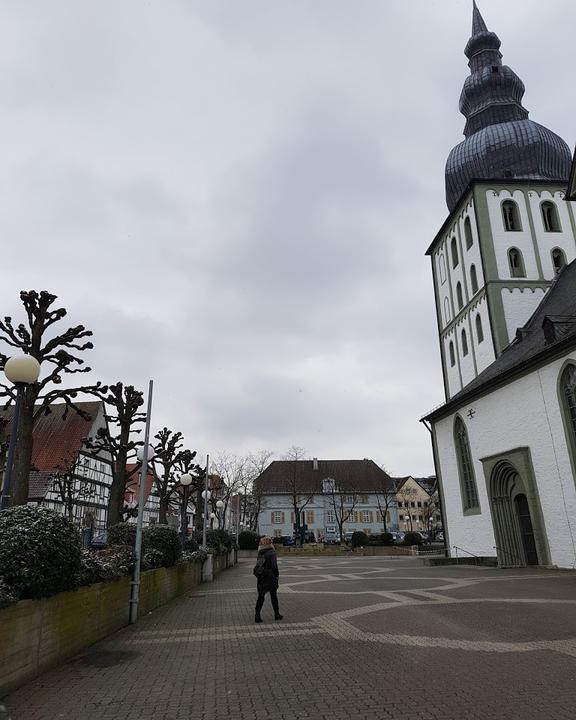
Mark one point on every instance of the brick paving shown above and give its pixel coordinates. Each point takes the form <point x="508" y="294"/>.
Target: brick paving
<point x="364" y="638"/>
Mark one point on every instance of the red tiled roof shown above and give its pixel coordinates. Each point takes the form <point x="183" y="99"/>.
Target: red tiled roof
<point x="133" y="485"/>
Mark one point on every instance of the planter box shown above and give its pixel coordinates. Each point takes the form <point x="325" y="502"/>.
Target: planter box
<point x="36" y="635"/>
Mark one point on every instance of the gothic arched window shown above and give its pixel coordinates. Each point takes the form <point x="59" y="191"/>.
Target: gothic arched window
<point x="446" y="310"/>
<point x="473" y="279"/>
<point x="464" y="343"/>
<point x="550" y="218"/>
<point x="511" y="216"/>
<point x="454" y="252"/>
<point x="558" y="259"/>
<point x="452" y="356"/>
<point x="568" y="402"/>
<point x="479" y="330"/>
<point x="442" y="266"/>
<point x="465" y="468"/>
<point x="516" y="263"/>
<point x="459" y="298"/>
<point x="468" y="233"/>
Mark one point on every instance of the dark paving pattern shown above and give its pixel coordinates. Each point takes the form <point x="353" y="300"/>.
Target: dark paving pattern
<point x="372" y="639"/>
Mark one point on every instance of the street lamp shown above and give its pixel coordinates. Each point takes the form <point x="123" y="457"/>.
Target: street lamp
<point x="185" y="480"/>
<point x="21" y="370"/>
<point x="140" y="453"/>
<point x="212" y="518"/>
<point x="219" y="508"/>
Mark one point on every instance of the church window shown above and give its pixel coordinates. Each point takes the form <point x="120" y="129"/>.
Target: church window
<point x="550" y="218"/>
<point x="447" y="310"/>
<point x="459" y="296"/>
<point x="464" y="343"/>
<point x="473" y="279"/>
<point x="479" y="330"/>
<point x="442" y="266"/>
<point x="510" y="216"/>
<point x="452" y="356"/>
<point x="558" y="259"/>
<point x="468" y="233"/>
<point x="516" y="263"/>
<point x="465" y="468"/>
<point x="568" y="400"/>
<point x="454" y="251"/>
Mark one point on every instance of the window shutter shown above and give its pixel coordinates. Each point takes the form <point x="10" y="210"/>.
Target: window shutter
<point x="371" y="516"/>
<point x="282" y="518"/>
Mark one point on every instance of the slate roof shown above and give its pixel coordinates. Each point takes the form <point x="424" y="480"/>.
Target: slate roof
<point x="549" y="332"/>
<point x="286" y="476"/>
<point x="57" y="442"/>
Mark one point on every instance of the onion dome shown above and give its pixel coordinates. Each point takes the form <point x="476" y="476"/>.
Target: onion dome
<point x="501" y="142"/>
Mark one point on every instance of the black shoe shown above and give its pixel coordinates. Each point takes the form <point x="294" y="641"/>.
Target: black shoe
<point x="257" y="619"/>
<point x="278" y="616"/>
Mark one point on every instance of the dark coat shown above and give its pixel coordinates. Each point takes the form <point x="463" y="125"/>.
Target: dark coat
<point x="269" y="579"/>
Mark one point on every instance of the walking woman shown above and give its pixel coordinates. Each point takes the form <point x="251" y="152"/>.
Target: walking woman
<point x="266" y="571"/>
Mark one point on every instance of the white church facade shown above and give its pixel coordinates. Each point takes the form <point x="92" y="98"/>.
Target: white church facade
<point x="504" y="274"/>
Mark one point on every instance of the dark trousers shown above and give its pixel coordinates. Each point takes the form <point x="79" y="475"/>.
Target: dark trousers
<point x="273" y="598"/>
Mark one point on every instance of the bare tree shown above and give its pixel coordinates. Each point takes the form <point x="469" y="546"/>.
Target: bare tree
<point x="252" y="493"/>
<point x="342" y="503"/>
<point x="122" y="412"/>
<point x="170" y="457"/>
<point x="58" y="355"/>
<point x="385" y="492"/>
<point x="300" y="495"/>
<point x="232" y="471"/>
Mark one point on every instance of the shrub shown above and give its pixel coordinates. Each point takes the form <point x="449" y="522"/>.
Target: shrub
<point x="7" y="595"/>
<point x="248" y="540"/>
<point x="152" y="558"/>
<point x="40" y="551"/>
<point x="116" y="561"/>
<point x="190" y="544"/>
<point x="382" y="539"/>
<point x="359" y="539"/>
<point x="166" y="540"/>
<point x="196" y="556"/>
<point x="122" y="534"/>
<point x="90" y="570"/>
<point x="220" y="540"/>
<point x="412" y="538"/>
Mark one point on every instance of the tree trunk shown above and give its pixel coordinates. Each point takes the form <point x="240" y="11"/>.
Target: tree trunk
<point x="24" y="443"/>
<point x="118" y="485"/>
<point x="163" y="511"/>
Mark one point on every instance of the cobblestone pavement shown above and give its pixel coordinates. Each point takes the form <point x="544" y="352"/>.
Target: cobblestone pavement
<point x="362" y="638"/>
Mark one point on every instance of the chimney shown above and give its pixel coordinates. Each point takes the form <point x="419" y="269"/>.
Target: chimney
<point x="315" y="463"/>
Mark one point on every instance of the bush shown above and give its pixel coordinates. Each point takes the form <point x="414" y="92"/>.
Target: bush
<point x="152" y="558"/>
<point x="382" y="539"/>
<point x="196" y="556"/>
<point x="7" y="595"/>
<point x="116" y="562"/>
<point x="412" y="538"/>
<point x="166" y="540"/>
<point x="190" y="544"/>
<point x="248" y="540"/>
<point x="220" y="541"/>
<point x="122" y="534"/>
<point x="40" y="552"/>
<point x="359" y="539"/>
<point x="90" y="570"/>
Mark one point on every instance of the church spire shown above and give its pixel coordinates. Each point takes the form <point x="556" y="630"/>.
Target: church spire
<point x="478" y="24"/>
<point x="501" y="142"/>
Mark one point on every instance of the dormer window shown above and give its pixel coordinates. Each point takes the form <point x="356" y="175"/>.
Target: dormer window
<point x="328" y="486"/>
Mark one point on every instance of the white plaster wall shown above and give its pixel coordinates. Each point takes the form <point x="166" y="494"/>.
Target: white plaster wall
<point x="547" y="241"/>
<point x="525" y="413"/>
<point x="504" y="240"/>
<point x="519" y="305"/>
<point x="483" y="351"/>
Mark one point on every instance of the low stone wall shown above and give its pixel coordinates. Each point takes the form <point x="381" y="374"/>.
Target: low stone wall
<point x="36" y="635"/>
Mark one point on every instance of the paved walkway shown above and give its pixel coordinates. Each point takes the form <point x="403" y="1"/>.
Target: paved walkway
<point x="362" y="638"/>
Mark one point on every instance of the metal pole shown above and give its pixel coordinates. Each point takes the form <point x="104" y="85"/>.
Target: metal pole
<point x="5" y="501"/>
<point x="135" y="585"/>
<point x="205" y="502"/>
<point x="184" y="518"/>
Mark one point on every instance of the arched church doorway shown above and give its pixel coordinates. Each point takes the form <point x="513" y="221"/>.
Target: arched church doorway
<point x="513" y="527"/>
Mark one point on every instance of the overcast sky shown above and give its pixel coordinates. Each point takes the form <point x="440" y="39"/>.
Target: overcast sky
<point x="236" y="197"/>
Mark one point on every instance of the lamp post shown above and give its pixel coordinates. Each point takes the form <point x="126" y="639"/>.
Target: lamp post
<point x="406" y="520"/>
<point x="185" y="481"/>
<point x="219" y="508"/>
<point x="21" y="370"/>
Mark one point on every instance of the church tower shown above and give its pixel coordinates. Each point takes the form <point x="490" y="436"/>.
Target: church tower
<point x="509" y="231"/>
